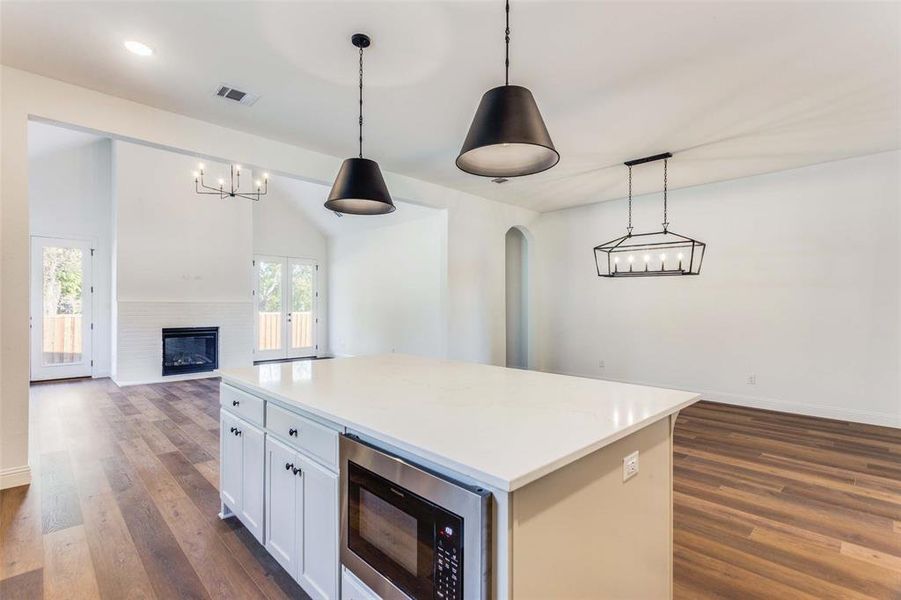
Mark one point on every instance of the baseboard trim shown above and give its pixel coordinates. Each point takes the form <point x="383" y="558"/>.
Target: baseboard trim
<point x="168" y="378"/>
<point x="799" y="408"/>
<point x="15" y="476"/>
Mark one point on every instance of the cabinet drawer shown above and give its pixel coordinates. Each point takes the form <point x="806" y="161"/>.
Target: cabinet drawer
<point x="246" y="406"/>
<point x="318" y="441"/>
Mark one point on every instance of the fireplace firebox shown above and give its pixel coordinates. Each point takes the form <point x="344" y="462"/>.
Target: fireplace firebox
<point x="190" y="350"/>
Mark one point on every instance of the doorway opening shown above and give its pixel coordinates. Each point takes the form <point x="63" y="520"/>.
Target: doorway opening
<point x="517" y="257"/>
<point x="286" y="299"/>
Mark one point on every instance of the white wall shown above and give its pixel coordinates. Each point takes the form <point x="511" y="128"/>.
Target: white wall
<point x="800" y="287"/>
<point x="182" y="260"/>
<point x="281" y="228"/>
<point x="69" y="195"/>
<point x="389" y="289"/>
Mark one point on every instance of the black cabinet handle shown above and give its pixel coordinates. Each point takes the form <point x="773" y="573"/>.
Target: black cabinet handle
<point x="237" y="432"/>
<point x="232" y="429"/>
<point x="289" y="466"/>
<point x="235" y="403"/>
<point x="296" y="471"/>
<point x="293" y="432"/>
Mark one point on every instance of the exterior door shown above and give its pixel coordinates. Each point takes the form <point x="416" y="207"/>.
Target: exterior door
<point x="287" y="302"/>
<point x="61" y="296"/>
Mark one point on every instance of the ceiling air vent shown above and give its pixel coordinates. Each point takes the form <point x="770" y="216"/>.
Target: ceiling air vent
<point x="229" y="92"/>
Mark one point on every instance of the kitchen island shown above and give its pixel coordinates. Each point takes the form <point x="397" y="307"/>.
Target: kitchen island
<point x="569" y="517"/>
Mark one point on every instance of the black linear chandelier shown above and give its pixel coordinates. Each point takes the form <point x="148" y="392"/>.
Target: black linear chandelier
<point x="656" y="253"/>
<point x="507" y="137"/>
<point x="261" y="186"/>
<point x="359" y="188"/>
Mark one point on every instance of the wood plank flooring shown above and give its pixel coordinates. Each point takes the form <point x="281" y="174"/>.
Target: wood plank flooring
<point x="124" y="502"/>
<point x="772" y="505"/>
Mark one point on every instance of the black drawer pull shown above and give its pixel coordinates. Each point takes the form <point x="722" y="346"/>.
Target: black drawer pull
<point x="296" y="471"/>
<point x="293" y="432"/>
<point x="235" y="403"/>
<point x="232" y="429"/>
<point x="237" y="432"/>
<point x="289" y="466"/>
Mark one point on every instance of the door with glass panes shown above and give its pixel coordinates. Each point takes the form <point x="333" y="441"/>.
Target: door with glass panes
<point x="287" y="299"/>
<point x="61" y="324"/>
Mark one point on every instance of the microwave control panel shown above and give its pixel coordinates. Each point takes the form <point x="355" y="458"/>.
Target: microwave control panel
<point x="448" y="563"/>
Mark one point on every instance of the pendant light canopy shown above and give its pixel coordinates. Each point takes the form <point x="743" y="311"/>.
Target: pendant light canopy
<point x="507" y="137"/>
<point x="359" y="188"/>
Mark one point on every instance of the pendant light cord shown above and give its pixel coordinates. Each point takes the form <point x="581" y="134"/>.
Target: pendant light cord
<point x="361" y="101"/>
<point x="665" y="222"/>
<point x="507" y="43"/>
<point x="629" y="228"/>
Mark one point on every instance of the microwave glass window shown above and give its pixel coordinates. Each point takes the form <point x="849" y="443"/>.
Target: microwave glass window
<point x="389" y="529"/>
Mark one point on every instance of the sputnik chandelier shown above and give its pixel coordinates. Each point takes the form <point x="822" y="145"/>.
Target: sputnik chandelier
<point x="260" y="189"/>
<point x="655" y="253"/>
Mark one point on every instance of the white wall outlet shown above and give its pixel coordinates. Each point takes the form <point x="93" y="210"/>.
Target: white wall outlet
<point x="630" y="466"/>
<point x="601" y="365"/>
<point x="752" y="379"/>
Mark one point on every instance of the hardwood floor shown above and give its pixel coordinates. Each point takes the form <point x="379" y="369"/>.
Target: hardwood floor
<point x="124" y="503"/>
<point x="773" y="505"/>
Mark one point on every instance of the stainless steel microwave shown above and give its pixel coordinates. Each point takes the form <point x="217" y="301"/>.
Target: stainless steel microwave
<point x="408" y="532"/>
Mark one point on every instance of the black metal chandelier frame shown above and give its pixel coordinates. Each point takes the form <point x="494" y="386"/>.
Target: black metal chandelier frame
<point x="234" y="189"/>
<point x="688" y="252"/>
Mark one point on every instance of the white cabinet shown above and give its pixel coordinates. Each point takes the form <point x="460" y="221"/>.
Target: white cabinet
<point x="302" y="519"/>
<point x="281" y="504"/>
<point x="241" y="471"/>
<point x="281" y="482"/>
<point x="354" y="589"/>
<point x="318" y="569"/>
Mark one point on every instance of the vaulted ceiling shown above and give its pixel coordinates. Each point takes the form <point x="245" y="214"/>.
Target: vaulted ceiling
<point x="732" y="89"/>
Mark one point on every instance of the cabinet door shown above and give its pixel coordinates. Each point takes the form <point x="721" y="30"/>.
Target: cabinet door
<point x="252" y="466"/>
<point x="230" y="465"/>
<point x="318" y="568"/>
<point x="281" y="504"/>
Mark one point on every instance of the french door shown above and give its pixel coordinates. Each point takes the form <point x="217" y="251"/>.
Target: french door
<point x="61" y="295"/>
<point x="287" y="299"/>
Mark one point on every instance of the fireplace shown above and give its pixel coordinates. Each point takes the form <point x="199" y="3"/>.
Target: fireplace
<point x="190" y="350"/>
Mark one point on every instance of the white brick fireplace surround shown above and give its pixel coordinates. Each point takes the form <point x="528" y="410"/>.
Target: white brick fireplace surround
<point x="139" y="332"/>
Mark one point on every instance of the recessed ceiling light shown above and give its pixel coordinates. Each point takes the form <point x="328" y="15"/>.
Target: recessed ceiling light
<point x="138" y="48"/>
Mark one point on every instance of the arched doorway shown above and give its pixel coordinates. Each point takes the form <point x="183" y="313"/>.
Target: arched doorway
<point x="517" y="285"/>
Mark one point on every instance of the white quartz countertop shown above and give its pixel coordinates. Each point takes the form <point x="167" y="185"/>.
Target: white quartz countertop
<point x="502" y="427"/>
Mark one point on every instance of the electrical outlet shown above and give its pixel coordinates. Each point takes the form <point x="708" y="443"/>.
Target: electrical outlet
<point x="601" y="365"/>
<point x="752" y="379"/>
<point x="630" y="466"/>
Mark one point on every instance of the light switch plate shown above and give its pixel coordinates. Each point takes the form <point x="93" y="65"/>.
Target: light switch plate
<point x="630" y="466"/>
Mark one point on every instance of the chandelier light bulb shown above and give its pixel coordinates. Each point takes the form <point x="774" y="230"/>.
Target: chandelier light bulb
<point x="200" y="166"/>
<point x="265" y="176"/>
<point x="238" y="168"/>
<point x="631" y="259"/>
<point x="616" y="259"/>
<point x="681" y="256"/>
<point x="221" y="182"/>
<point x="662" y="257"/>
<point x="196" y="174"/>
<point x="259" y="183"/>
<point x="647" y="258"/>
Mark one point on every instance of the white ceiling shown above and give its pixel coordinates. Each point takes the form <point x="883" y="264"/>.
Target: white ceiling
<point x="734" y="89"/>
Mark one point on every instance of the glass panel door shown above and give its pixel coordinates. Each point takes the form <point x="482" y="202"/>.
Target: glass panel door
<point x="60" y="308"/>
<point x="302" y="319"/>
<point x="270" y="323"/>
<point x="287" y="300"/>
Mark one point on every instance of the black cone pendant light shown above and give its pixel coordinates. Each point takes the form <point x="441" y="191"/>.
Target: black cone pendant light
<point x="359" y="188"/>
<point x="507" y="137"/>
